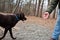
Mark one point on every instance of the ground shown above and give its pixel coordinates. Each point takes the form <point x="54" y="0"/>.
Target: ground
<point x="34" y="28"/>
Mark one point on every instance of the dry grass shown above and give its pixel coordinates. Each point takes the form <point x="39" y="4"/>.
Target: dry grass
<point x="49" y="23"/>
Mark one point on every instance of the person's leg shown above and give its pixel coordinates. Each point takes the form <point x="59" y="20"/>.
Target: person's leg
<point x="56" y="31"/>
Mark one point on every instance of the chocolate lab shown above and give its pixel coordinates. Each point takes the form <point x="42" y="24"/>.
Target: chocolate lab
<point x="9" y="21"/>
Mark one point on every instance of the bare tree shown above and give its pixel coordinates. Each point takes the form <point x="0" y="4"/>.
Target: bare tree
<point x="41" y="8"/>
<point x="35" y="8"/>
<point x="21" y="6"/>
<point x="10" y="5"/>
<point x="39" y="1"/>
<point x="29" y="7"/>
<point x="48" y="2"/>
<point x="17" y="5"/>
<point x="2" y="5"/>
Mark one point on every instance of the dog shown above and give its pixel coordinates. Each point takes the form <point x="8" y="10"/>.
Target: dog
<point x="9" y="21"/>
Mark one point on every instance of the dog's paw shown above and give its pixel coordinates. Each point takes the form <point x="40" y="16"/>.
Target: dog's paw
<point x="14" y="38"/>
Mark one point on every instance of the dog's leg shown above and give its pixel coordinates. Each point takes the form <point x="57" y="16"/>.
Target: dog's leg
<point x="10" y="30"/>
<point x="5" y="32"/>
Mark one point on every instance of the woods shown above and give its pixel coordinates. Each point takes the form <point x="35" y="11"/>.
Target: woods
<point x="28" y="19"/>
<point x="29" y="7"/>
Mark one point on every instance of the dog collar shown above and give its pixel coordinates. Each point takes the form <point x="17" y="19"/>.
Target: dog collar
<point x="17" y="18"/>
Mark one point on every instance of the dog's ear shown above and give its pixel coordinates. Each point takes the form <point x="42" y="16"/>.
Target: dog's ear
<point x="22" y="15"/>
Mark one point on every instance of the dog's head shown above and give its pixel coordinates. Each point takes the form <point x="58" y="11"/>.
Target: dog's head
<point x="21" y="16"/>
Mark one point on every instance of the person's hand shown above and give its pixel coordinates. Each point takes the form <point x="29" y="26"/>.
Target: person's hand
<point x="45" y="15"/>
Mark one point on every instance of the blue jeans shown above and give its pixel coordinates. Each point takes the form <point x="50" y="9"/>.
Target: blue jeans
<point x="56" y="31"/>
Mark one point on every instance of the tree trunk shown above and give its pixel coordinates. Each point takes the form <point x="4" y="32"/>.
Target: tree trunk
<point x="21" y="7"/>
<point x="41" y="8"/>
<point x="29" y="7"/>
<point x="38" y="7"/>
<point x="48" y="2"/>
<point x="10" y="5"/>
<point x="3" y="7"/>
<point x="17" y="5"/>
<point x="35" y="8"/>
